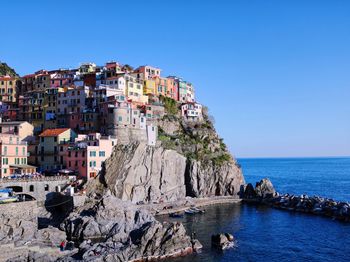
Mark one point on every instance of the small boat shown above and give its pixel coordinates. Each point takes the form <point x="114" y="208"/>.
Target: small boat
<point x="5" y="200"/>
<point x="176" y="215"/>
<point x="190" y="212"/>
<point x="6" y="196"/>
<point x="197" y="210"/>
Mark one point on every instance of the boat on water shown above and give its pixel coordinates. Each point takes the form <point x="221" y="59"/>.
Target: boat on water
<point x="176" y="215"/>
<point x="7" y="196"/>
<point x="197" y="210"/>
<point x="189" y="212"/>
<point x="194" y="210"/>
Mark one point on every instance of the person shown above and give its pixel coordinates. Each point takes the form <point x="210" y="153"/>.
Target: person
<point x="62" y="245"/>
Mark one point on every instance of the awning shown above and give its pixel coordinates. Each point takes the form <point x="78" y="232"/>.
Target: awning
<point x="23" y="166"/>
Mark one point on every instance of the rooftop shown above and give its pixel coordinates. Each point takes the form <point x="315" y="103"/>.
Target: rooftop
<point x="53" y="132"/>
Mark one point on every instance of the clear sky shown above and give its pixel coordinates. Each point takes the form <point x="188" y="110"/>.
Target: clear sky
<point x="275" y="74"/>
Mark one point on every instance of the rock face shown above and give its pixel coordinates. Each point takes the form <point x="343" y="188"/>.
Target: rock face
<point x="125" y="232"/>
<point x="138" y="172"/>
<point x="16" y="231"/>
<point x="109" y="215"/>
<point x="264" y="188"/>
<point x="222" y="241"/>
<point x="203" y="179"/>
<point x="189" y="160"/>
<point x="249" y="192"/>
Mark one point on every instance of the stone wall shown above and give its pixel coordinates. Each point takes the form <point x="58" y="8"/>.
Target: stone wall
<point x="127" y="135"/>
<point x="20" y="210"/>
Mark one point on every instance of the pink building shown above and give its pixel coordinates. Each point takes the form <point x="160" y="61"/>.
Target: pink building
<point x="147" y="72"/>
<point x="88" y="153"/>
<point x="13" y="156"/>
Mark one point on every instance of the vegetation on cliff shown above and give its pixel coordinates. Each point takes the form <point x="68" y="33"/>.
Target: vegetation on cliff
<point x="196" y="140"/>
<point x="6" y="70"/>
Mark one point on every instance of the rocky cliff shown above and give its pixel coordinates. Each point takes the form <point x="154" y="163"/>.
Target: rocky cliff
<point x="124" y="232"/>
<point x="189" y="160"/>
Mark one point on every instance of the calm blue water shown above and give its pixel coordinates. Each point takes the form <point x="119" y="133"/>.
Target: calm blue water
<point x="266" y="234"/>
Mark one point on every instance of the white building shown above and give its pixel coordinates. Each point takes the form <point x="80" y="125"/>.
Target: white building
<point x="192" y="111"/>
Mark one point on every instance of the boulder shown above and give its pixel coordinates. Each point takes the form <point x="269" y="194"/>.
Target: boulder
<point x="264" y="188"/>
<point x="249" y="192"/>
<point x="125" y="232"/>
<point x="222" y="241"/>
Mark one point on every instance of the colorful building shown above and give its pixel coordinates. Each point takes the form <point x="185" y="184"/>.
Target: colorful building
<point x="22" y="129"/>
<point x="88" y="153"/>
<point x="172" y="89"/>
<point x="147" y="72"/>
<point x="13" y="156"/>
<point x="31" y="108"/>
<point x="52" y="145"/>
<point x="134" y="90"/>
<point x="192" y="111"/>
<point x="8" y="89"/>
<point x="61" y="78"/>
<point x="86" y="68"/>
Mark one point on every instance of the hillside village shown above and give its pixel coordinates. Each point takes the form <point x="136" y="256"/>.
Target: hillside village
<point x="67" y="121"/>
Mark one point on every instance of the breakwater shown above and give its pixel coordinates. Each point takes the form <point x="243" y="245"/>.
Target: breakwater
<point x="264" y="193"/>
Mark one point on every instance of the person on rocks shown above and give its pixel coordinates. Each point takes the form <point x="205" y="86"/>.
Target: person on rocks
<point x="62" y="245"/>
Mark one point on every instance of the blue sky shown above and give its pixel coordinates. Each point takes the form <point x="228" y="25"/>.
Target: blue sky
<point x="275" y="74"/>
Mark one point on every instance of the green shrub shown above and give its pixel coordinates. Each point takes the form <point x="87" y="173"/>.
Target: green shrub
<point x="170" y="105"/>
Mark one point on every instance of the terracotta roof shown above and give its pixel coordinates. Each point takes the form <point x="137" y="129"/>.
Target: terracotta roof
<point x="53" y="132"/>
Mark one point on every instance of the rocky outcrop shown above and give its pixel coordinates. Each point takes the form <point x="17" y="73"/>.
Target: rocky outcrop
<point x="189" y="160"/>
<point x="108" y="216"/>
<point x="138" y="172"/>
<point x="125" y="233"/>
<point x="264" y="188"/>
<point x="204" y="179"/>
<point x="222" y="241"/>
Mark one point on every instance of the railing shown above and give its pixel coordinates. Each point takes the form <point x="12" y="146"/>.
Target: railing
<point x="34" y="179"/>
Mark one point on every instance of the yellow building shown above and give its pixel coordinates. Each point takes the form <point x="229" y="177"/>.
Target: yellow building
<point x="8" y="89"/>
<point x="149" y="87"/>
<point x="134" y="90"/>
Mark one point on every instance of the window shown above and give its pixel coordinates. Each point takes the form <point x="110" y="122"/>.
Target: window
<point x="42" y="139"/>
<point x="120" y="119"/>
<point x="92" y="153"/>
<point x="5" y="170"/>
<point x="16" y="151"/>
<point x="101" y="153"/>
<point x="5" y="150"/>
<point x="46" y="187"/>
<point x="31" y="188"/>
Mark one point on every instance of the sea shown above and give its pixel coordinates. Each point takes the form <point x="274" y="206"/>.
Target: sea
<point x="267" y="234"/>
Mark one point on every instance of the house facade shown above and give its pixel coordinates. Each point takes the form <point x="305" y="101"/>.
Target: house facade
<point x="13" y="156"/>
<point x="88" y="153"/>
<point x="51" y="147"/>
